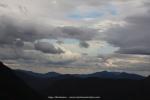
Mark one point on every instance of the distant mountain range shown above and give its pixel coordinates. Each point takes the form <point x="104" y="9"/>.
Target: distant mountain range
<point x="27" y="85"/>
<point x="102" y="75"/>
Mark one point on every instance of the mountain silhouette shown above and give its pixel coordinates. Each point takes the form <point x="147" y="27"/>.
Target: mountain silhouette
<point x="107" y="85"/>
<point x="39" y="75"/>
<point x="107" y="89"/>
<point x="113" y="75"/>
<point x="14" y="88"/>
<point x="27" y="85"/>
<point x="103" y="74"/>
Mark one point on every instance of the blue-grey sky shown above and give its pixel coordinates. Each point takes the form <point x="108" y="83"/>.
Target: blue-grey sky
<point x="76" y="36"/>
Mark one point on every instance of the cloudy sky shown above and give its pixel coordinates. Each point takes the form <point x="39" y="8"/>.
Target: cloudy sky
<point x="76" y="36"/>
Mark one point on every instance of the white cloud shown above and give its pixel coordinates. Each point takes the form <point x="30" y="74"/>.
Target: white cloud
<point x="107" y="24"/>
<point x="56" y="12"/>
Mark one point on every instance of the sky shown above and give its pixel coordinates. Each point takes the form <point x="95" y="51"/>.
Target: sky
<point x="76" y="36"/>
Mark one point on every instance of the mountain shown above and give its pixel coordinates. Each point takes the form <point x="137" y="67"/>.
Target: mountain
<point x="108" y="85"/>
<point x="14" y="88"/>
<point x="114" y="75"/>
<point x="103" y="74"/>
<point x="15" y="85"/>
<point x="107" y="89"/>
<point x="39" y="75"/>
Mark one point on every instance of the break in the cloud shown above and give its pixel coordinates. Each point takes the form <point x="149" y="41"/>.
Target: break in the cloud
<point x="67" y="34"/>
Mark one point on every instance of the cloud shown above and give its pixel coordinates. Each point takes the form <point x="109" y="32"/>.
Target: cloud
<point x="19" y="43"/>
<point x="125" y="62"/>
<point x="12" y="29"/>
<point x="79" y="33"/>
<point x="56" y="12"/>
<point x="17" y="39"/>
<point x="3" y="5"/>
<point x="23" y="24"/>
<point x="32" y="56"/>
<point x="83" y="44"/>
<point x="47" y="48"/>
<point x="132" y="38"/>
<point x="59" y="42"/>
<point x="10" y="52"/>
<point x="48" y="58"/>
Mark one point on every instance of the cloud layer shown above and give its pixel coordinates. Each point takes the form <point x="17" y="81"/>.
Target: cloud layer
<point x="76" y="35"/>
<point x="132" y="38"/>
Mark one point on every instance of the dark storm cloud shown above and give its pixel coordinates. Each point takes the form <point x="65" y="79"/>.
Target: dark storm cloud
<point x="46" y="47"/>
<point x="79" y="32"/>
<point x="134" y="38"/>
<point x="143" y="51"/>
<point x="83" y="44"/>
<point x="11" y="29"/>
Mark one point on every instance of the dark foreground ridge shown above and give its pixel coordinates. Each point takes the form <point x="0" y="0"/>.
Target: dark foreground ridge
<point x="107" y="85"/>
<point x="13" y="88"/>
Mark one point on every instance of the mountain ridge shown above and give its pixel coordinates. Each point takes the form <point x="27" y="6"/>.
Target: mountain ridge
<point x="18" y="86"/>
<point x="102" y="74"/>
<point x="14" y="88"/>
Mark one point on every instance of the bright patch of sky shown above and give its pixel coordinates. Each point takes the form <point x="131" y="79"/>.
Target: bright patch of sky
<point x="95" y="47"/>
<point x="93" y="13"/>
